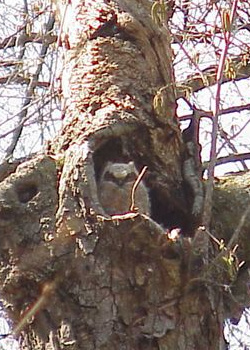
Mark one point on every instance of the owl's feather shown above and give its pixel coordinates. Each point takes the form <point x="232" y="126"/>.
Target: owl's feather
<point x="115" y="189"/>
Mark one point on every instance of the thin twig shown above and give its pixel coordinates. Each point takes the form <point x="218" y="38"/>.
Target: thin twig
<point x="235" y="237"/>
<point x="132" y="206"/>
<point x="29" y="93"/>
<point x="213" y="154"/>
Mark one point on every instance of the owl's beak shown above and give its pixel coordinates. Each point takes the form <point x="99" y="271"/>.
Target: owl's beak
<point x="121" y="181"/>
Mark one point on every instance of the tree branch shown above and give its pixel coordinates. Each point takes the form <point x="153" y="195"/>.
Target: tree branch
<point x="213" y="151"/>
<point x="209" y="114"/>
<point x="29" y="92"/>
<point x="195" y="82"/>
<point x="228" y="159"/>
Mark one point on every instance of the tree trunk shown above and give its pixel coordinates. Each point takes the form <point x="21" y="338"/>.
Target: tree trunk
<point x="75" y="277"/>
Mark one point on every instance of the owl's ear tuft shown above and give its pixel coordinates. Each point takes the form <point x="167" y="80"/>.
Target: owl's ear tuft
<point x="131" y="164"/>
<point x="108" y="165"/>
<point x="104" y="167"/>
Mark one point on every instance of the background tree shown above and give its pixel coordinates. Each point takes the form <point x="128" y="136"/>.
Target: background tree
<point x="72" y="276"/>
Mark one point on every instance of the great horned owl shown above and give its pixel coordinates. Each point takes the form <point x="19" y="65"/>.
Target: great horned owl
<point x="115" y="188"/>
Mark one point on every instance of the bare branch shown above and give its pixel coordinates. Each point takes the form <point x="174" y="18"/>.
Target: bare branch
<point x="213" y="155"/>
<point x="30" y="91"/>
<point x="228" y="159"/>
<point x="200" y="113"/>
<point x="195" y="82"/>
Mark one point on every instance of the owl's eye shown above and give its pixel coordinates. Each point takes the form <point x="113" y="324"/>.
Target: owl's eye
<point x="109" y="176"/>
<point x="131" y="177"/>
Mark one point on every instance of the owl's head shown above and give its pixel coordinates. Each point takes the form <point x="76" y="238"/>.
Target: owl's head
<point x="119" y="173"/>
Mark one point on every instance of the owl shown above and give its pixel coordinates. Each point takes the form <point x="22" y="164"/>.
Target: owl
<point x="115" y="189"/>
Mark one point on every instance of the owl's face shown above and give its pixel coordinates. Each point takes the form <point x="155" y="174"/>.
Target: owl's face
<point x="120" y="173"/>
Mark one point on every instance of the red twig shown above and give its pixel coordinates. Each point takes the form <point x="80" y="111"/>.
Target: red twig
<point x="213" y="154"/>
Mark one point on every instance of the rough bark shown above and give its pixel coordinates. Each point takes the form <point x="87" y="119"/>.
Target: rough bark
<point x="73" y="277"/>
<point x="123" y="285"/>
<point x="116" y="64"/>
